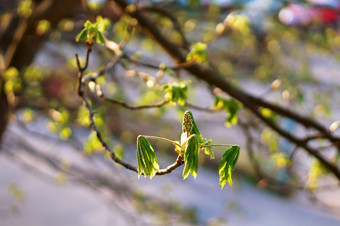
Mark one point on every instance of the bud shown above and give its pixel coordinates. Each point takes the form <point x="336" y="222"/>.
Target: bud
<point x="187" y="123"/>
<point x="334" y="126"/>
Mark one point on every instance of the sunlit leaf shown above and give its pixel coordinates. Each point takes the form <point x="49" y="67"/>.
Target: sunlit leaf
<point x="11" y="73"/>
<point x="227" y="165"/>
<point x="176" y="92"/>
<point x="82" y="35"/>
<point x="146" y="158"/>
<point x="198" y="53"/>
<point x="207" y="150"/>
<point x="100" y="38"/>
<point x="43" y="27"/>
<point x="65" y="133"/>
<point x="280" y="159"/>
<point x="28" y="115"/>
<point x="230" y="106"/>
<point x="191" y="157"/>
<point x="25" y="8"/>
<point x="103" y="24"/>
<point x="92" y="144"/>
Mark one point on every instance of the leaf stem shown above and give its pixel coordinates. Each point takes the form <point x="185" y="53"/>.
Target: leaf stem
<point x="163" y="139"/>
<point x="217" y="145"/>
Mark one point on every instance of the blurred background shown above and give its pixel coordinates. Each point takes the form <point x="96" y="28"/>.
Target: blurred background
<point x="54" y="170"/>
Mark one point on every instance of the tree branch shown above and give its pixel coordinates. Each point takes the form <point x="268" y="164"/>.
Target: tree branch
<point x="80" y="90"/>
<point x="213" y="77"/>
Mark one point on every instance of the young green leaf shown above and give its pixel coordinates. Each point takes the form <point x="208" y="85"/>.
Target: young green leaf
<point x="100" y="38"/>
<point x="227" y="165"/>
<point x="230" y="106"/>
<point x="176" y="92"/>
<point x="207" y="149"/>
<point x="87" y="24"/>
<point x="82" y="35"/>
<point x="146" y="158"/>
<point x="191" y="157"/>
<point x="198" y="53"/>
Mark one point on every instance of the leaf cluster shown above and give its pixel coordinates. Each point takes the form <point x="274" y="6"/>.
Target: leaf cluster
<point x="176" y="92"/>
<point x="230" y="106"/>
<point x="94" y="31"/>
<point x="191" y="143"/>
<point x="198" y="53"/>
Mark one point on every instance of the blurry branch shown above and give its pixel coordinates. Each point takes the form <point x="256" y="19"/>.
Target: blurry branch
<point x="299" y="142"/>
<point x="17" y="51"/>
<point x="109" y="151"/>
<point x="249" y="142"/>
<point x="132" y="107"/>
<point x="213" y="77"/>
<point x="266" y="180"/>
<point x="152" y="66"/>
<point x="166" y="13"/>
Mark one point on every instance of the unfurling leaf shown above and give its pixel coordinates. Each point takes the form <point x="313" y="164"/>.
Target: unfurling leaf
<point x="198" y="53"/>
<point x="82" y="35"/>
<point x="100" y="38"/>
<point x="176" y="92"/>
<point x="227" y="165"/>
<point x="146" y="158"/>
<point x="230" y="106"/>
<point x="207" y="149"/>
<point x="94" y="30"/>
<point x="191" y="157"/>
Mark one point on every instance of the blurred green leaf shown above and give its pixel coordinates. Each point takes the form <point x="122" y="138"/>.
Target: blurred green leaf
<point x="280" y="159"/>
<point x="33" y="74"/>
<point x="82" y="35"/>
<point x="65" y="133"/>
<point x="92" y="144"/>
<point x="17" y="192"/>
<point x="316" y="170"/>
<point x="100" y="38"/>
<point x="230" y="106"/>
<point x="25" y="8"/>
<point x="103" y="24"/>
<point x="176" y="92"/>
<point x="198" y="53"/>
<point x="11" y="73"/>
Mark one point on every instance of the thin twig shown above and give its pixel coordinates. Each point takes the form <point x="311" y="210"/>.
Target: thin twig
<point x="81" y="85"/>
<point x="174" y="20"/>
<point x="133" y="107"/>
<point x="152" y="66"/>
